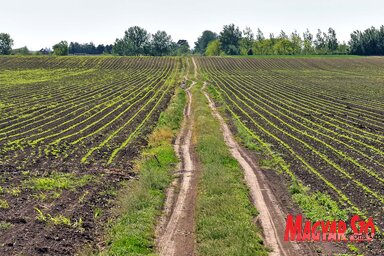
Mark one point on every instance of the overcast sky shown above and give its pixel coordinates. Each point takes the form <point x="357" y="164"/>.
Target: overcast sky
<point x="42" y="23"/>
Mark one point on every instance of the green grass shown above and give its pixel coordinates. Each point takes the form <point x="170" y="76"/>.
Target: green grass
<point x="30" y="76"/>
<point x="140" y="201"/>
<point x="57" y="181"/>
<point x="224" y="212"/>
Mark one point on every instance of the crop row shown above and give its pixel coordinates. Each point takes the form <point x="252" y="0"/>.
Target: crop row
<point x="323" y="148"/>
<point x="82" y="117"/>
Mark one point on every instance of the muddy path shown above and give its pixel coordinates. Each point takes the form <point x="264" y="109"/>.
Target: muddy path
<point x="176" y="229"/>
<point x="271" y="217"/>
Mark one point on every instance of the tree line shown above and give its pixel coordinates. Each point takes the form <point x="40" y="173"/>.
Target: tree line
<point x="137" y="41"/>
<point x="367" y="42"/>
<point x="230" y="41"/>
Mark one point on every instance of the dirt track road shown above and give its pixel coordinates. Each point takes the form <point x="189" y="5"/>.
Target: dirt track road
<point x="270" y="216"/>
<point x="176" y="230"/>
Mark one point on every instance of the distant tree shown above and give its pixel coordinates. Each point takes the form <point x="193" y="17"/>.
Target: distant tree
<point x="308" y="42"/>
<point x="121" y="47"/>
<point x="230" y="39"/>
<point x="263" y="47"/>
<point x="21" y="51"/>
<point x="203" y="41"/>
<point x="283" y="35"/>
<point x="138" y="39"/>
<point x="367" y="42"/>
<point x="272" y="38"/>
<point x="297" y="43"/>
<point x="108" y="49"/>
<point x="259" y="35"/>
<point x="181" y="48"/>
<point x="332" y="43"/>
<point x="213" y="48"/>
<point x="87" y="48"/>
<point x="246" y="42"/>
<point x="283" y="47"/>
<point x="161" y="43"/>
<point x="100" y="49"/>
<point x="321" y="42"/>
<point x="343" y="48"/>
<point x="45" y="51"/>
<point x="6" y="43"/>
<point x="61" y="49"/>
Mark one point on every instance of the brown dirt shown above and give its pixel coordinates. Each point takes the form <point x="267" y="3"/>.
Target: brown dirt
<point x="176" y="230"/>
<point x="29" y="236"/>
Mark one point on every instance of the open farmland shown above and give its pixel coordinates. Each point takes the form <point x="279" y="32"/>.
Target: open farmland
<point x="68" y="123"/>
<point x="323" y="117"/>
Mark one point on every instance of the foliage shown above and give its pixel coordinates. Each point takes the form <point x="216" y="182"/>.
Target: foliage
<point x="319" y="206"/>
<point x="58" y="181"/>
<point x="139" y="40"/>
<point x="6" y="43"/>
<point x="21" y="51"/>
<point x="367" y="42"/>
<point x="332" y="42"/>
<point x="135" y="42"/>
<point x="202" y="42"/>
<point x="213" y="48"/>
<point x="61" y="49"/>
<point x="246" y="42"/>
<point x="89" y="48"/>
<point x="229" y="39"/>
<point x="308" y="43"/>
<point x="161" y="43"/>
<point x="180" y="48"/>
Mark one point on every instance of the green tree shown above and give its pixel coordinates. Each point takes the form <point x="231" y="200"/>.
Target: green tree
<point x="263" y="47"/>
<point x="321" y="42"/>
<point x="246" y="42"/>
<point x="213" y="48"/>
<point x="230" y="39"/>
<point x="283" y="47"/>
<point x="161" y="44"/>
<point x="203" y="41"/>
<point x="283" y="35"/>
<point x="121" y="47"/>
<point x="343" y="48"/>
<point x="181" y="48"/>
<point x="137" y="39"/>
<point x="308" y="42"/>
<point x="297" y="43"/>
<point x="21" y="51"/>
<point x="332" y="42"/>
<point x="6" y="43"/>
<point x="259" y="35"/>
<point x="61" y="49"/>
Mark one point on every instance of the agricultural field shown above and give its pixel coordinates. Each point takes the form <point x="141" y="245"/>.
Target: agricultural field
<point x="70" y="129"/>
<point x="321" y="118"/>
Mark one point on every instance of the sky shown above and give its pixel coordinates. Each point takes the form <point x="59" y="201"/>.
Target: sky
<point x="42" y="23"/>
